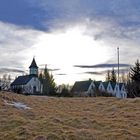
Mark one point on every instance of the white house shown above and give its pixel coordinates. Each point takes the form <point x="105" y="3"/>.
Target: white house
<point x="102" y="87"/>
<point x="106" y="87"/>
<point x="29" y="84"/>
<point x="122" y="91"/>
<point x="88" y="88"/>
<point x="117" y="90"/>
<point x="110" y="88"/>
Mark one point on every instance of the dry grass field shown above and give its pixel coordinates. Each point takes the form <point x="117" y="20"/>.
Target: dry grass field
<point x="69" y="118"/>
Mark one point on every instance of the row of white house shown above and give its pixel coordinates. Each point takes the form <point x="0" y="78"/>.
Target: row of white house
<point x="90" y="88"/>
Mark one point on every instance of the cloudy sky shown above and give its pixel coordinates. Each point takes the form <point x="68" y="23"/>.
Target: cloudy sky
<point x="77" y="39"/>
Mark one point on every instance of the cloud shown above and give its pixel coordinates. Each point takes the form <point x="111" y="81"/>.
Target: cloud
<point x="121" y="71"/>
<point x="50" y="69"/>
<point x="102" y="66"/>
<point x="9" y="70"/>
<point x="104" y="72"/>
<point x="53" y="69"/>
<point x="21" y="13"/>
<point x="62" y="11"/>
<point x="47" y="14"/>
<point x="111" y="23"/>
<point x="15" y="44"/>
<point x="61" y="74"/>
<point x="93" y="73"/>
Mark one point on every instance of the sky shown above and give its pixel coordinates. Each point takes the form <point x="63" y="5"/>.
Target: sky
<point x="77" y="39"/>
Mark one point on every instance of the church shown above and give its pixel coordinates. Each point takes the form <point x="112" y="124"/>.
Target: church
<point x="28" y="84"/>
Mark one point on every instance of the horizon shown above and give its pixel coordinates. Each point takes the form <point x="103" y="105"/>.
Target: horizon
<point x="77" y="40"/>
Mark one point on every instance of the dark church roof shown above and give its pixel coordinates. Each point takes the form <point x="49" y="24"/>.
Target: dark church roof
<point x="22" y="80"/>
<point x="81" y="86"/>
<point x="33" y="64"/>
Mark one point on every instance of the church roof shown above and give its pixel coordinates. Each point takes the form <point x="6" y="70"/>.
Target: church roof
<point x="81" y="86"/>
<point x="33" y="64"/>
<point x="22" y="80"/>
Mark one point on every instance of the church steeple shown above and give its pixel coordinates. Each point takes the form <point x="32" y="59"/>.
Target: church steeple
<point x="33" y="68"/>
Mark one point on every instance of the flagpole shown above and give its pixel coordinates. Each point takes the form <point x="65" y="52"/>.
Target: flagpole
<point x="118" y="64"/>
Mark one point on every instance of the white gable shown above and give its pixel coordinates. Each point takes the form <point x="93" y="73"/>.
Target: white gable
<point x="110" y="88"/>
<point x="101" y="87"/>
<point x="92" y="86"/>
<point x="120" y="92"/>
<point x="91" y="89"/>
<point x="34" y="85"/>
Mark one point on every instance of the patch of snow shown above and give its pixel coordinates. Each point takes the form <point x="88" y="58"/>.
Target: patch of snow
<point x="18" y="105"/>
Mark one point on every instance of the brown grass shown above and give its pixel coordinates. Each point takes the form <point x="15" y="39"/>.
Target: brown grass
<point x="69" y="118"/>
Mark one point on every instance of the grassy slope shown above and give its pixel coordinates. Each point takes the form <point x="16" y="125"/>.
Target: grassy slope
<point x="69" y="118"/>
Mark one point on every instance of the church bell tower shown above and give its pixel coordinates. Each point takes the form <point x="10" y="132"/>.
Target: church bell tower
<point x="33" y="68"/>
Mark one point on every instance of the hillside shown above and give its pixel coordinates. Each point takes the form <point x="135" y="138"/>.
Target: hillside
<point x="49" y="118"/>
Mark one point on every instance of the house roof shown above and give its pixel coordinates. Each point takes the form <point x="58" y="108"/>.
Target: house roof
<point x="120" y="85"/>
<point x="22" y="80"/>
<point x="81" y="86"/>
<point x="113" y="85"/>
<point x="33" y="64"/>
<point x="105" y="84"/>
<point x="97" y="83"/>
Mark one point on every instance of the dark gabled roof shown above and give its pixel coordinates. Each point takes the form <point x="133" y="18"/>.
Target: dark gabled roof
<point x="97" y="83"/>
<point x="81" y="86"/>
<point x="120" y="85"/>
<point x="22" y="80"/>
<point x="113" y="85"/>
<point x="33" y="64"/>
<point x="105" y="84"/>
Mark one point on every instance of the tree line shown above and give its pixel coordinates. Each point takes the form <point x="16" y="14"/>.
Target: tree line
<point x="131" y="80"/>
<point x="133" y="85"/>
<point x="111" y="76"/>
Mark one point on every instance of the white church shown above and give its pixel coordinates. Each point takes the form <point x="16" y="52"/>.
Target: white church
<point x="28" y="84"/>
